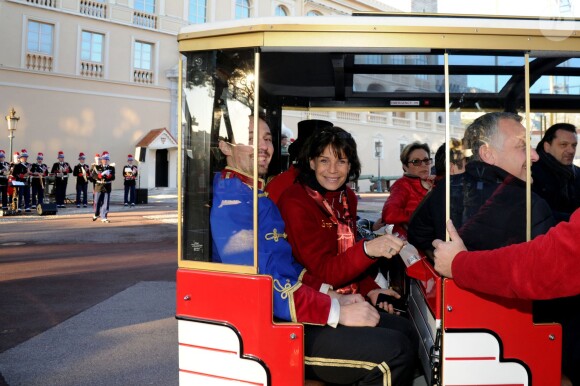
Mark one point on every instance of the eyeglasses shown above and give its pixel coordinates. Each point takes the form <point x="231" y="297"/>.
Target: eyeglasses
<point x="417" y="162"/>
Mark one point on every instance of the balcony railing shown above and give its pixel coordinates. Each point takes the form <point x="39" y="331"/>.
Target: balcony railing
<point x="39" y="62"/>
<point x="143" y="19"/>
<point x="92" y="69"/>
<point x="93" y="8"/>
<point x="142" y="76"/>
<point x="44" y="3"/>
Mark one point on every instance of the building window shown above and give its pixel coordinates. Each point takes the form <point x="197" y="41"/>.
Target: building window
<point x="92" y="55"/>
<point x="39" y="46"/>
<point x="40" y="37"/>
<point x="313" y="13"/>
<point x="142" y="62"/>
<point x="92" y="47"/>
<point x="280" y="11"/>
<point x="145" y="5"/>
<point x="197" y="11"/>
<point x="242" y="9"/>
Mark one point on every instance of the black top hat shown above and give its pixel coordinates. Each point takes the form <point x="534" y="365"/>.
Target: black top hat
<point x="309" y="126"/>
<point x="305" y="129"/>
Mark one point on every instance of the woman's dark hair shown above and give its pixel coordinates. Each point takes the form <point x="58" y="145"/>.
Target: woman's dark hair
<point x="339" y="140"/>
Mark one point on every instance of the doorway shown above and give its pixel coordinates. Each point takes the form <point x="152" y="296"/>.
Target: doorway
<point x="161" y="168"/>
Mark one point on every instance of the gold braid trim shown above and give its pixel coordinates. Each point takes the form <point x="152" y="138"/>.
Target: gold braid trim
<point x="274" y="235"/>
<point x="329" y="362"/>
<point x="287" y="292"/>
<point x="302" y="274"/>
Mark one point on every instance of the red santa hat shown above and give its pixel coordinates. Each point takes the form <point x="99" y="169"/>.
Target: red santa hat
<point x="130" y="157"/>
<point x="23" y="153"/>
<point x="40" y="156"/>
<point x="82" y="155"/>
<point x="2" y="154"/>
<point x="15" y="157"/>
<point x="105" y="155"/>
<point x="61" y="154"/>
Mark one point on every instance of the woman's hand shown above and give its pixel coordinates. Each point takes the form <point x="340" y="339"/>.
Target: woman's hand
<point x="359" y="315"/>
<point x="344" y="300"/>
<point x="384" y="246"/>
<point x="374" y="294"/>
<point x="378" y="224"/>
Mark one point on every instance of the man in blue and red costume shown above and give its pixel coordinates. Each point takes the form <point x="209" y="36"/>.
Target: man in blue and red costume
<point x="344" y="341"/>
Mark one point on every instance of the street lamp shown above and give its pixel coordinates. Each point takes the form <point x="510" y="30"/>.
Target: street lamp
<point x="12" y="120"/>
<point x="378" y="151"/>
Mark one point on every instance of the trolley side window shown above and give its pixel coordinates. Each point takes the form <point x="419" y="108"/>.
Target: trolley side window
<point x="218" y="93"/>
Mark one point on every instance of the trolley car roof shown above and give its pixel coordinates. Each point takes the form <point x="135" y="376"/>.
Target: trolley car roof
<point x="311" y="61"/>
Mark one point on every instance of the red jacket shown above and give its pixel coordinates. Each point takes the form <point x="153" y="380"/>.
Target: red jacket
<point x="406" y="194"/>
<point x="277" y="185"/>
<point x="544" y="268"/>
<point x="313" y="238"/>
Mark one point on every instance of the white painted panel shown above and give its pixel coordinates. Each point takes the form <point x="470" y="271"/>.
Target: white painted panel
<point x="186" y="379"/>
<point x="208" y="335"/>
<point x="220" y="364"/>
<point x="473" y="359"/>
<point x="209" y="355"/>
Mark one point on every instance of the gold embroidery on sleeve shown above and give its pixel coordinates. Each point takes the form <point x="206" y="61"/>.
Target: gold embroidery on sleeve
<point x="274" y="235"/>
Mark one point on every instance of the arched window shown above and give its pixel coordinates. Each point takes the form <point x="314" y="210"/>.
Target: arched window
<point x="242" y="9"/>
<point x="313" y="13"/>
<point x="280" y="11"/>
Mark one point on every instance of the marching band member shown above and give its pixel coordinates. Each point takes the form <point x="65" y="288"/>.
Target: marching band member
<point x="97" y="162"/>
<point x="104" y="174"/>
<point x="4" y="172"/>
<point x="15" y="160"/>
<point x="61" y="170"/>
<point x="130" y="175"/>
<point x="21" y="173"/>
<point x="81" y="172"/>
<point x="38" y="172"/>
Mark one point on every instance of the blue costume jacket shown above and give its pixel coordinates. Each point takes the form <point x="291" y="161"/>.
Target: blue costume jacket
<point x="296" y="295"/>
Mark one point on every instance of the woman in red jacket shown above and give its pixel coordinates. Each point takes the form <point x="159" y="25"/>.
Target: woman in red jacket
<point x="408" y="191"/>
<point x="320" y="211"/>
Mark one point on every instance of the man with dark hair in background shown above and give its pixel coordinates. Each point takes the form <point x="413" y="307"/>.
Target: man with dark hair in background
<point x="556" y="178"/>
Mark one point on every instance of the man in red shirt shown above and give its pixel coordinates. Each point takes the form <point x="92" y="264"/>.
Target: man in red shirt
<point x="545" y="268"/>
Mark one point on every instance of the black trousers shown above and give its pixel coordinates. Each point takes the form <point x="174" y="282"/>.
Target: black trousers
<point x="24" y="196"/>
<point x="365" y="356"/>
<point x="4" y="193"/>
<point x="37" y="193"/>
<point x="82" y="191"/>
<point x="60" y="190"/>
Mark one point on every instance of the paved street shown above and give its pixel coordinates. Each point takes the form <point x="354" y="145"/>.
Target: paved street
<point x="79" y="293"/>
<point x="87" y="303"/>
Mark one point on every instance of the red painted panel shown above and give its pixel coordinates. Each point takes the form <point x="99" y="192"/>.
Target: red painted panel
<point x="245" y="302"/>
<point x="511" y="321"/>
<point x="430" y="284"/>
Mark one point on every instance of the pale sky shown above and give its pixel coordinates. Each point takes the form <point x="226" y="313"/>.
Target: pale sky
<point x="564" y="8"/>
